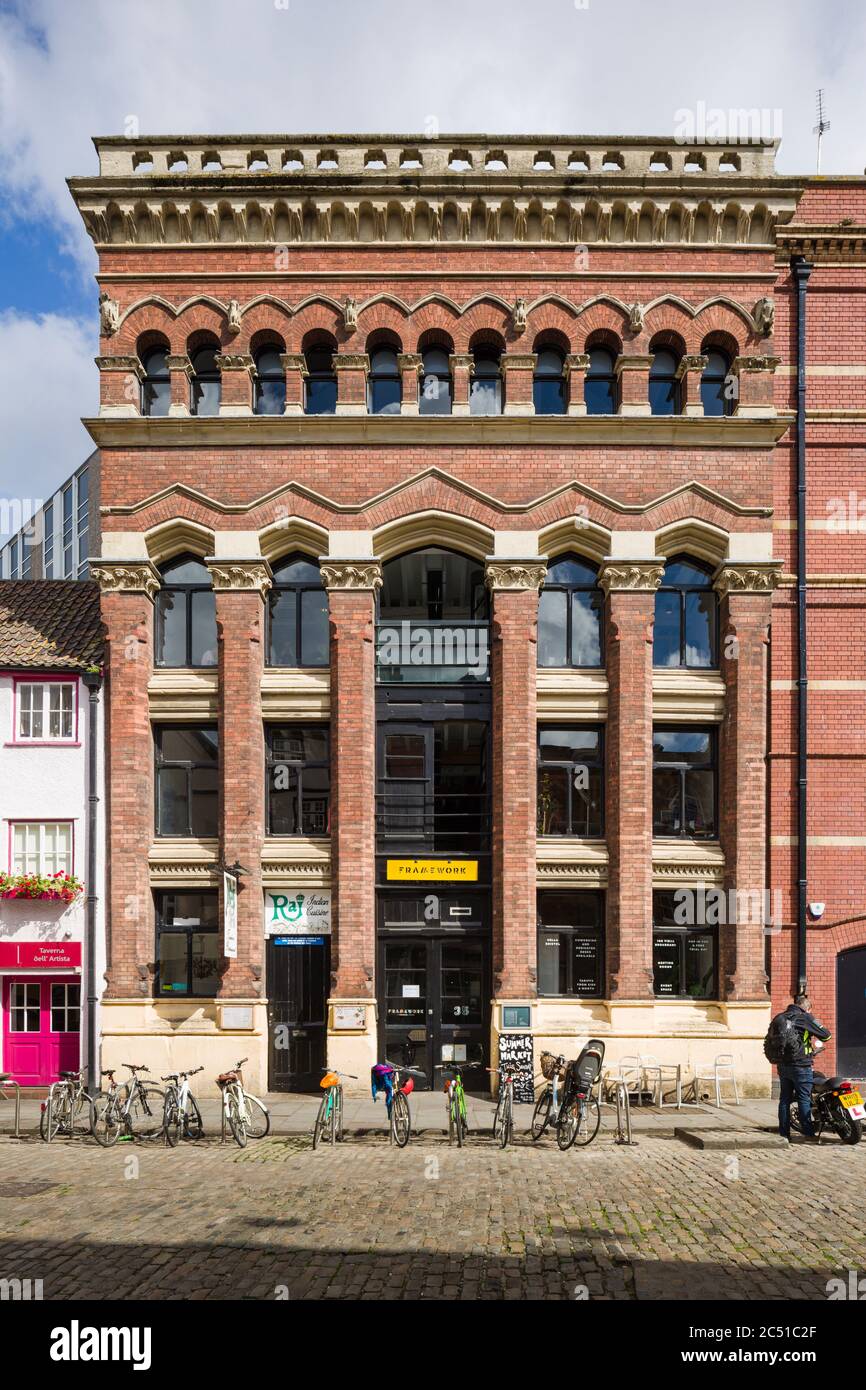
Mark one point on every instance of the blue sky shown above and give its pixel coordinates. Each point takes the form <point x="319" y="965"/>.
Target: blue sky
<point x="72" y="70"/>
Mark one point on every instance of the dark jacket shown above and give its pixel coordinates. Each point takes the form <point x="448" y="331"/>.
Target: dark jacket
<point x="807" y="1029"/>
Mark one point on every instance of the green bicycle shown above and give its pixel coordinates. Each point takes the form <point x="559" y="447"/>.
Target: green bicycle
<point x="458" y="1125"/>
<point x="330" y="1117"/>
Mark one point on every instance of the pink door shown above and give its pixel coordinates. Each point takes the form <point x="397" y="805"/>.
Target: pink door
<point x="41" y="1028"/>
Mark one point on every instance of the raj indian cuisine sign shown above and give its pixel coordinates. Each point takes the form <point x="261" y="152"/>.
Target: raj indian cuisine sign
<point x="426" y="870"/>
<point x="297" y="913"/>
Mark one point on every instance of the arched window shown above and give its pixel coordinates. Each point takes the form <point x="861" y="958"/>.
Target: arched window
<point x="714" y="397"/>
<point x="599" y="384"/>
<point x="205" y="384"/>
<point x="569" y="615"/>
<point x="433" y="619"/>
<point x="686" y="619"/>
<point x="548" y="382"/>
<point x="156" y="386"/>
<point x="321" y="392"/>
<point x="185" y="632"/>
<point x="270" y="381"/>
<point x="384" y="389"/>
<point x="298" y="615"/>
<point x="435" y="397"/>
<point x="664" y="388"/>
<point x="485" y="395"/>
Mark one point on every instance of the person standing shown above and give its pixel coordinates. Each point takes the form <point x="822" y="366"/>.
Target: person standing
<point x="797" y="1028"/>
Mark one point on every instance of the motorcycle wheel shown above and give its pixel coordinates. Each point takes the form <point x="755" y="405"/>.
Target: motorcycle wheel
<point x="849" y="1131"/>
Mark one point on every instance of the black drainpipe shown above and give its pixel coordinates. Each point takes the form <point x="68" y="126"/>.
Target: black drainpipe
<point x="801" y="270"/>
<point x="92" y="680"/>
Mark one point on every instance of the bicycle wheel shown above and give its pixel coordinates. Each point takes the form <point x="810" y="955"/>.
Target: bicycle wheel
<point x="400" y="1120"/>
<point x="192" y="1125"/>
<point x="507" y="1123"/>
<point x="51" y="1117"/>
<point x="458" y="1121"/>
<point x="451" y="1113"/>
<point x="319" y="1126"/>
<point x="171" y="1121"/>
<point x="566" y="1124"/>
<point x="146" y="1112"/>
<point x="257" y="1120"/>
<point x="497" y="1118"/>
<point x="105" y="1122"/>
<point x="237" y="1120"/>
<point x="588" y="1121"/>
<point x="338" y="1105"/>
<point x="541" y="1114"/>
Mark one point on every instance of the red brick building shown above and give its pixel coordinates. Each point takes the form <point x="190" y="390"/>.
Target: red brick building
<point x="448" y="505"/>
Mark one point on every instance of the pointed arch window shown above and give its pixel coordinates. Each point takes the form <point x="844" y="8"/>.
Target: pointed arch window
<point x="570" y="611"/>
<point x="685" y="633"/>
<point x="156" y="385"/>
<point x="185" y="632"/>
<point x="298" y="632"/>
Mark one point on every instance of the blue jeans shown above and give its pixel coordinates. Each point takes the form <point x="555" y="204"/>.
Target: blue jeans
<point x="795" y="1084"/>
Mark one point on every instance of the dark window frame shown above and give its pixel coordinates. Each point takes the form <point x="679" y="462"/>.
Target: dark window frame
<point x="674" y="764"/>
<point x="213" y="377"/>
<point x="670" y="379"/>
<point x="715" y="379"/>
<point x="487" y="354"/>
<point x="610" y="378"/>
<point x="384" y="378"/>
<point x="540" y="379"/>
<point x="683" y="590"/>
<point x="440" y="376"/>
<point x="597" y="762"/>
<point x="313" y="376"/>
<point x="186" y="591"/>
<point x="568" y="590"/>
<point x="262" y="379"/>
<point x="164" y="929"/>
<point x="190" y="767"/>
<point x="297" y="587"/>
<point x="155" y="385"/>
<point x="683" y="933"/>
<point x="299" y="765"/>
<point x="568" y="932"/>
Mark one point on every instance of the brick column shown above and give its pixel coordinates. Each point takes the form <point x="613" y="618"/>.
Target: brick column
<point x="352" y="369"/>
<point x="352" y="586"/>
<point x="515" y="586"/>
<point x="410" y="364"/>
<point x="754" y="377"/>
<point x="746" y="599"/>
<point x="241" y="587"/>
<point x="630" y="587"/>
<point x="633" y="374"/>
<point x="127" y="593"/>
<point x="517" y="373"/>
<point x="461" y="372"/>
<point x="236" y="386"/>
<point x="180" y="371"/>
<point x="120" y="381"/>
<point x="690" y="369"/>
<point x="576" y="367"/>
<point x="295" y="367"/>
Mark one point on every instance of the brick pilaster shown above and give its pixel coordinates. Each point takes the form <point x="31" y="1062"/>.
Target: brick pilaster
<point x="410" y="365"/>
<point x="576" y="366"/>
<point x="236" y="387"/>
<point x="180" y="372"/>
<point x="461" y="373"/>
<point x="120" y="381"/>
<point x="352" y="586"/>
<point x="352" y="369"/>
<point x="515" y="586"/>
<point x="630" y="587"/>
<point x="518" y="369"/>
<point x="240" y="587"/>
<point x="295" y="367"/>
<point x="690" y="369"/>
<point x="633" y="370"/>
<point x="746" y="598"/>
<point x="754" y="377"/>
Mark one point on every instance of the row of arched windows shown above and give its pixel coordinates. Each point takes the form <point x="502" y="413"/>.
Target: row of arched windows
<point x="435" y="392"/>
<point x="570" y="611"/>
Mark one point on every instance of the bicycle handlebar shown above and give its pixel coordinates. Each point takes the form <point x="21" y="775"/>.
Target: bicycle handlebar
<point x="349" y="1074"/>
<point x="130" y="1067"/>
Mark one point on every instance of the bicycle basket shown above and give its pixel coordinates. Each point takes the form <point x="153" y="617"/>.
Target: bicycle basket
<point x="329" y="1079"/>
<point x="549" y="1068"/>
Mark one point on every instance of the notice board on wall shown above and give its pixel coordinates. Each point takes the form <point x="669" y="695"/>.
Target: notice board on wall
<point x="515" y="1055"/>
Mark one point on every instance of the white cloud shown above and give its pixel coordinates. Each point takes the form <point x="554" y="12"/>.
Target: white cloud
<point x="48" y="382"/>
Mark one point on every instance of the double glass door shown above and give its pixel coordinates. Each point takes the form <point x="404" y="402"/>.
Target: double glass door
<point x="434" y="1004"/>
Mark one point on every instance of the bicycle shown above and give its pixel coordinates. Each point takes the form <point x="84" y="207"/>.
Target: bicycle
<point x="330" y="1116"/>
<point x="137" y="1107"/>
<point x="181" y="1115"/>
<point x="547" y="1107"/>
<point x="458" y="1125"/>
<point x="400" y="1121"/>
<point x="578" y="1114"/>
<point x="503" y="1117"/>
<point x="247" y="1116"/>
<point x="63" y="1107"/>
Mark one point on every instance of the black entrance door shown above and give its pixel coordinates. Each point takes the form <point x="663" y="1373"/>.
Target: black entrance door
<point x="298" y="977"/>
<point x="851" y="1012"/>
<point x="434" y="1004"/>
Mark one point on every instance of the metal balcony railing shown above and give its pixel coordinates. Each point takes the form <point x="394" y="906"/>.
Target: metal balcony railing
<point x="445" y="822"/>
<point x="434" y="652"/>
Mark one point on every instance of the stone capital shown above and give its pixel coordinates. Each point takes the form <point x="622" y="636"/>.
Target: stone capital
<point x="293" y="362"/>
<point x="755" y="362"/>
<point x="410" y="361"/>
<point x="351" y="362"/>
<point x="747" y="579"/>
<point x="692" y="362"/>
<point x="121" y="364"/>
<point x="179" y="363"/>
<point x="518" y="361"/>
<point x="244" y="575"/>
<point x="632" y="576"/>
<point x="126" y="577"/>
<point x="514" y="575"/>
<point x="461" y="361"/>
<point x="633" y="362"/>
<point x="576" y="362"/>
<point x="235" y="362"/>
<point x="356" y="575"/>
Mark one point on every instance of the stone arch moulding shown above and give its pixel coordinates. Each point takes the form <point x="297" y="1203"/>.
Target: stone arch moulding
<point x="177" y="535"/>
<point x="575" y="533"/>
<point x="291" y="533"/>
<point x="695" y="537"/>
<point x="420" y="529"/>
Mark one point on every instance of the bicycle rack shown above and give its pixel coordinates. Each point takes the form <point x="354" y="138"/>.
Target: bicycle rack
<point x="9" y="1081"/>
<point x="623" y="1116"/>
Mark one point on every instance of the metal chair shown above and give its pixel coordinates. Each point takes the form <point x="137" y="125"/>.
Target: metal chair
<point x="655" y="1074"/>
<point x="628" y="1072"/>
<point x="722" y="1071"/>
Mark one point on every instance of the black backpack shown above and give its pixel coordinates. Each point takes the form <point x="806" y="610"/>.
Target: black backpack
<point x="782" y="1043"/>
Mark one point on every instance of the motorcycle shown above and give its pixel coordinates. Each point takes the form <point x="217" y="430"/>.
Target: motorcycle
<point x="836" y="1105"/>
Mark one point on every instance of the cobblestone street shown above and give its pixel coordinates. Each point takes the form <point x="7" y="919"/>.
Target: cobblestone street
<point x="362" y="1221"/>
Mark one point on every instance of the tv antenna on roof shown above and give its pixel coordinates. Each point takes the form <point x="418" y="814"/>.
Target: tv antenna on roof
<point x="823" y="124"/>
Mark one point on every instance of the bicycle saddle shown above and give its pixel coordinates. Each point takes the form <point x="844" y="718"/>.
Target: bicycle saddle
<point x="69" y="1075"/>
<point x="226" y="1077"/>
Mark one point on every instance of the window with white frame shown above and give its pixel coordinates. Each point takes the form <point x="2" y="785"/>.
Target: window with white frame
<point x="42" y="847"/>
<point x="46" y="710"/>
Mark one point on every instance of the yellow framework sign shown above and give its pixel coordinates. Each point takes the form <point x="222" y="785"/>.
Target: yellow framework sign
<point x="422" y="870"/>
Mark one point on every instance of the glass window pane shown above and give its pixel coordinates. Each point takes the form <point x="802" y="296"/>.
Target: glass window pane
<point x="682" y="745"/>
<point x="203" y="635"/>
<point x="666" y="629"/>
<point x="552" y="962"/>
<point x="667" y="812"/>
<point x="315" y="633"/>
<point x="700" y="625"/>
<point x="586" y="964"/>
<point x="571" y="570"/>
<point x="552" y="628"/>
<point x="283" y="627"/>
<point x="270" y="397"/>
<point x="206" y="957"/>
<point x="156" y="397"/>
<point x="385" y="396"/>
<point x="462" y="995"/>
<point x="173" y="948"/>
<point x="599" y="395"/>
<point x="321" y="396"/>
<point x="172" y="801"/>
<point x="587" y="800"/>
<point x="405" y="755"/>
<point x="297" y="571"/>
<point x="700" y="792"/>
<point x="700" y="965"/>
<point x="188" y="745"/>
<point x="435" y="394"/>
<point x="713" y="394"/>
<point x="205" y="792"/>
<point x="564" y="745"/>
<point x="666" y="964"/>
<point x="314" y="802"/>
<point x="548" y="396"/>
<point x="170" y="628"/>
<point x="205" y="397"/>
<point x="586" y="612"/>
<point x="553" y="800"/>
<point x="684" y="573"/>
<point x="185" y="570"/>
<point x="284" y="819"/>
<point x="406" y="984"/>
<point x="485" y="396"/>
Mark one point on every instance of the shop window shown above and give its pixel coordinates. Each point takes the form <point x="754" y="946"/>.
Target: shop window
<point x="570" y="781"/>
<point x="187" y="780"/>
<point x="571" y="944"/>
<point x="185" y="631"/>
<point x="46" y="712"/>
<point x="685" y="957"/>
<point x="188" y="946"/>
<point x="298" y="779"/>
<point x="684" y="783"/>
<point x="298" y="632"/>
<point x="570" y="615"/>
<point x="685" y="632"/>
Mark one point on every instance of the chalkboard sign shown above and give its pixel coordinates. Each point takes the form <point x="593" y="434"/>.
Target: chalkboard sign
<point x="515" y="1054"/>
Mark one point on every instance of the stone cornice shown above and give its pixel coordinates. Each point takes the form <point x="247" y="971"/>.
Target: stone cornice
<point x="351" y="574"/>
<point x="631" y="575"/>
<point x="835" y="242"/>
<point x="500" y="575"/>
<point x="242" y="575"/>
<point x="710" y="432"/>
<point x="747" y="579"/>
<point x="126" y="577"/>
